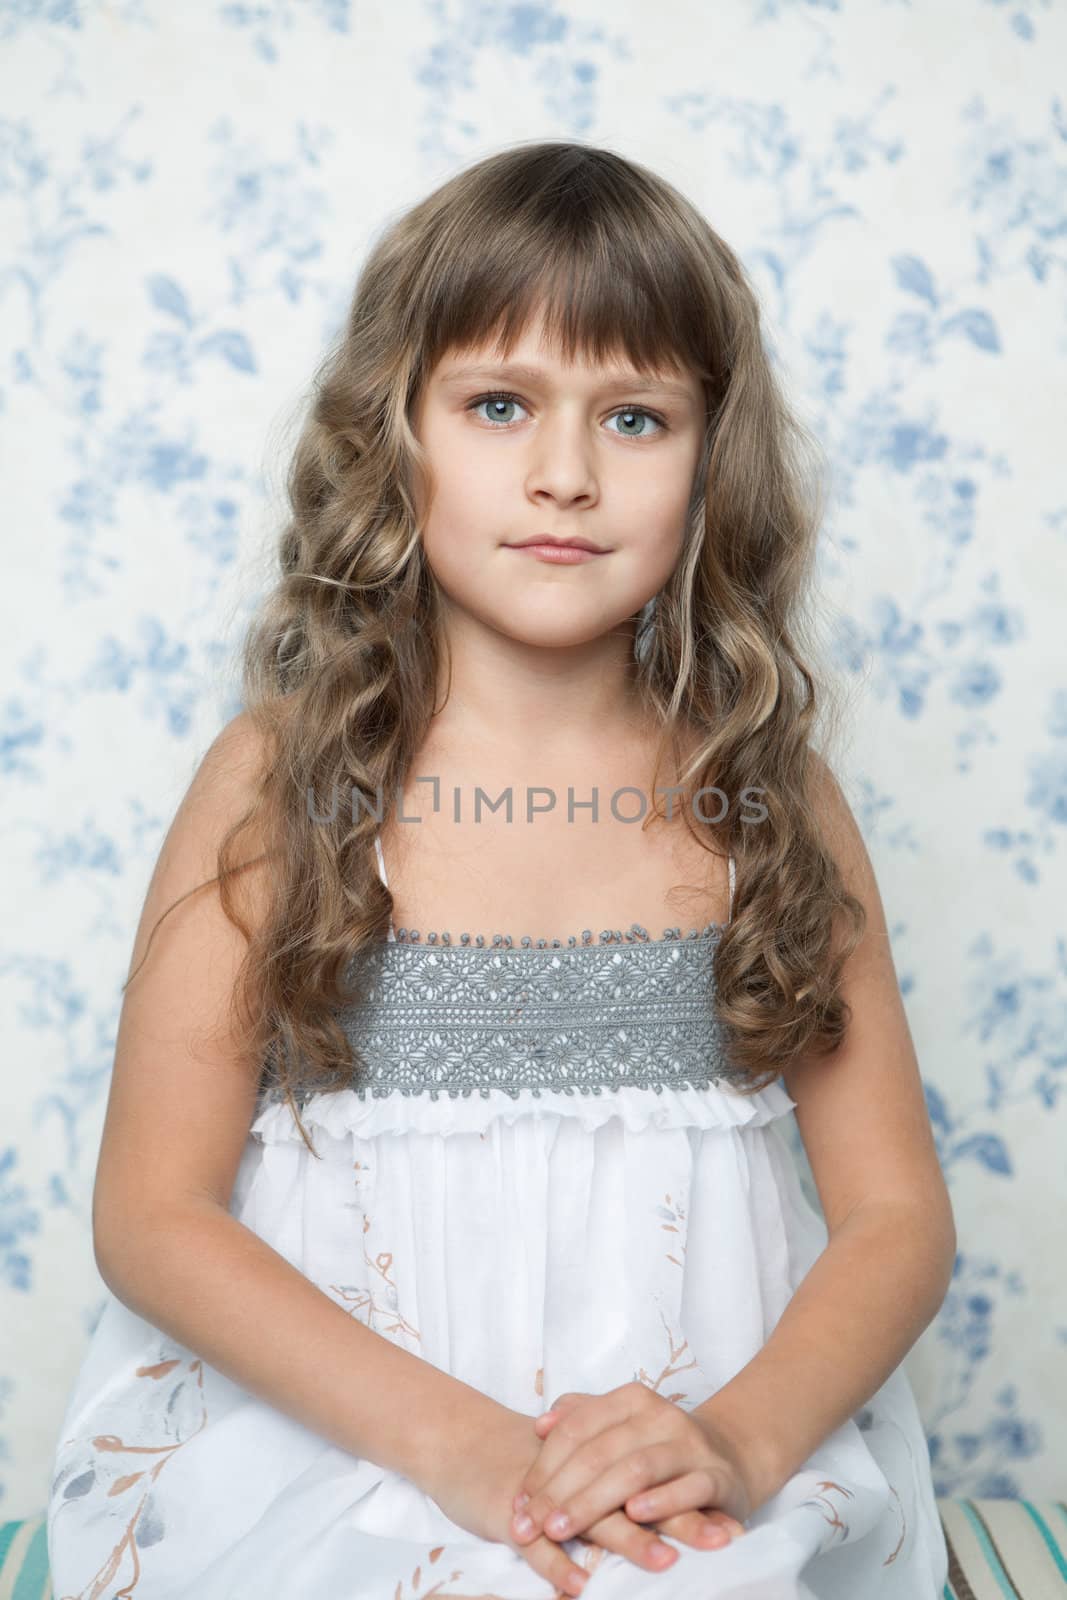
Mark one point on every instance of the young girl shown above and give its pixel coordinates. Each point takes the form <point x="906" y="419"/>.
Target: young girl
<point x="404" y="1228"/>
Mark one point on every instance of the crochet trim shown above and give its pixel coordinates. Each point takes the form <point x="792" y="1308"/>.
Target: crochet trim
<point x="505" y="941"/>
<point x="574" y="1019"/>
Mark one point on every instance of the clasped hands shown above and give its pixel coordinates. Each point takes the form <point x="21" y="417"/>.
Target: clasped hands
<point x="632" y="1450"/>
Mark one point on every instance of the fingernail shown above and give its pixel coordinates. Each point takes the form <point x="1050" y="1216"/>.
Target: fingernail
<point x="523" y="1525"/>
<point x="520" y="1501"/>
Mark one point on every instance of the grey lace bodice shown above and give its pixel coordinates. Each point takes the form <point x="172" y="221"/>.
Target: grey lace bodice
<point x="570" y="1016"/>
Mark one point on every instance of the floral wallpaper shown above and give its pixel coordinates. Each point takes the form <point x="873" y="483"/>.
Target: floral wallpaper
<point x="186" y="193"/>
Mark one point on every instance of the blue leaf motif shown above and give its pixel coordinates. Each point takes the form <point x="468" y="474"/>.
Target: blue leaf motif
<point x="977" y="325"/>
<point x="80" y="1485"/>
<point x="990" y="1151"/>
<point x="149" y="1529"/>
<point x="234" y="346"/>
<point x="169" y="296"/>
<point x="936" y="1107"/>
<point x="976" y="684"/>
<point x="914" y="275"/>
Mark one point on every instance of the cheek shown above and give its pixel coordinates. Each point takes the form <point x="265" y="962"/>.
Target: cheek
<point x="652" y="511"/>
<point x="668" y="514"/>
<point x="459" y="546"/>
<point x="458" y="515"/>
<point x="666" y="541"/>
<point x="453" y="539"/>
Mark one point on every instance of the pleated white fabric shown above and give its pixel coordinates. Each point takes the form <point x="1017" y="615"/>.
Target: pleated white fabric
<point x="528" y="1244"/>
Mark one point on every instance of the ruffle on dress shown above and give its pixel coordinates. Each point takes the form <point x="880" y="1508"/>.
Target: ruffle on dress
<point x="349" y="1112"/>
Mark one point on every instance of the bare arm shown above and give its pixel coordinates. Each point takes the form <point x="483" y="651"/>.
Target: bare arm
<point x="878" y="1284"/>
<point x="181" y="1101"/>
<point x="888" y="1264"/>
<point x="203" y="1278"/>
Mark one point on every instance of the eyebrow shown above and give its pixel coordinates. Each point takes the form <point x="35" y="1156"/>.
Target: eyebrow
<point x="520" y="373"/>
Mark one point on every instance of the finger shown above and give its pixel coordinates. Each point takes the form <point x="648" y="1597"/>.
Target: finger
<point x="551" y="1561"/>
<point x="642" y="1546"/>
<point x="668" y="1496"/>
<point x="584" y="1490"/>
<point x="576" y="1426"/>
<point x="544" y="1424"/>
<point x="703" y="1530"/>
<point x="618" y="1421"/>
<point x="542" y="1427"/>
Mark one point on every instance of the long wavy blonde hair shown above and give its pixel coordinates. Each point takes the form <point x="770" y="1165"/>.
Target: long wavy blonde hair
<point x="341" y="663"/>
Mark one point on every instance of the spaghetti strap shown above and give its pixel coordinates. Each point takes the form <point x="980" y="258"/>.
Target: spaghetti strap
<point x="391" y="935"/>
<point x="733" y="878"/>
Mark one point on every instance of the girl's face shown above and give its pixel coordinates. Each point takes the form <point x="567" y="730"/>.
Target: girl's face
<point x="573" y="451"/>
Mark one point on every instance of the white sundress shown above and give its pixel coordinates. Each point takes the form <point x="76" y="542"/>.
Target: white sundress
<point x="551" y="1185"/>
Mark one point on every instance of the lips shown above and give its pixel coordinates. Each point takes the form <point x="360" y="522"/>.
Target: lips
<point x="559" y="554"/>
<point x="560" y="544"/>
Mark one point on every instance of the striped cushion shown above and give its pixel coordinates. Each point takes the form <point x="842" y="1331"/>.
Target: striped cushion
<point x="997" y="1550"/>
<point x="1004" y="1549"/>
<point x="24" y="1561"/>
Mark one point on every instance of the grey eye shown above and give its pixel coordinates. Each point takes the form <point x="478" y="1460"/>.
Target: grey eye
<point x="634" y="414"/>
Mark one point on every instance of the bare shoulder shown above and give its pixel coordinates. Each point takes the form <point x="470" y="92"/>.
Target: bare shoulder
<point x="181" y="1095"/>
<point x="834" y="815"/>
<point x="862" y="1111"/>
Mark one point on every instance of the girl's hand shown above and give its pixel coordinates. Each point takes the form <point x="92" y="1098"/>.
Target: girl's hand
<point x="634" y="1450"/>
<point x="473" y="1488"/>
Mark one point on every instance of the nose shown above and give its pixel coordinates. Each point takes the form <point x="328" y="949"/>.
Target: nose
<point x="562" y="462"/>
